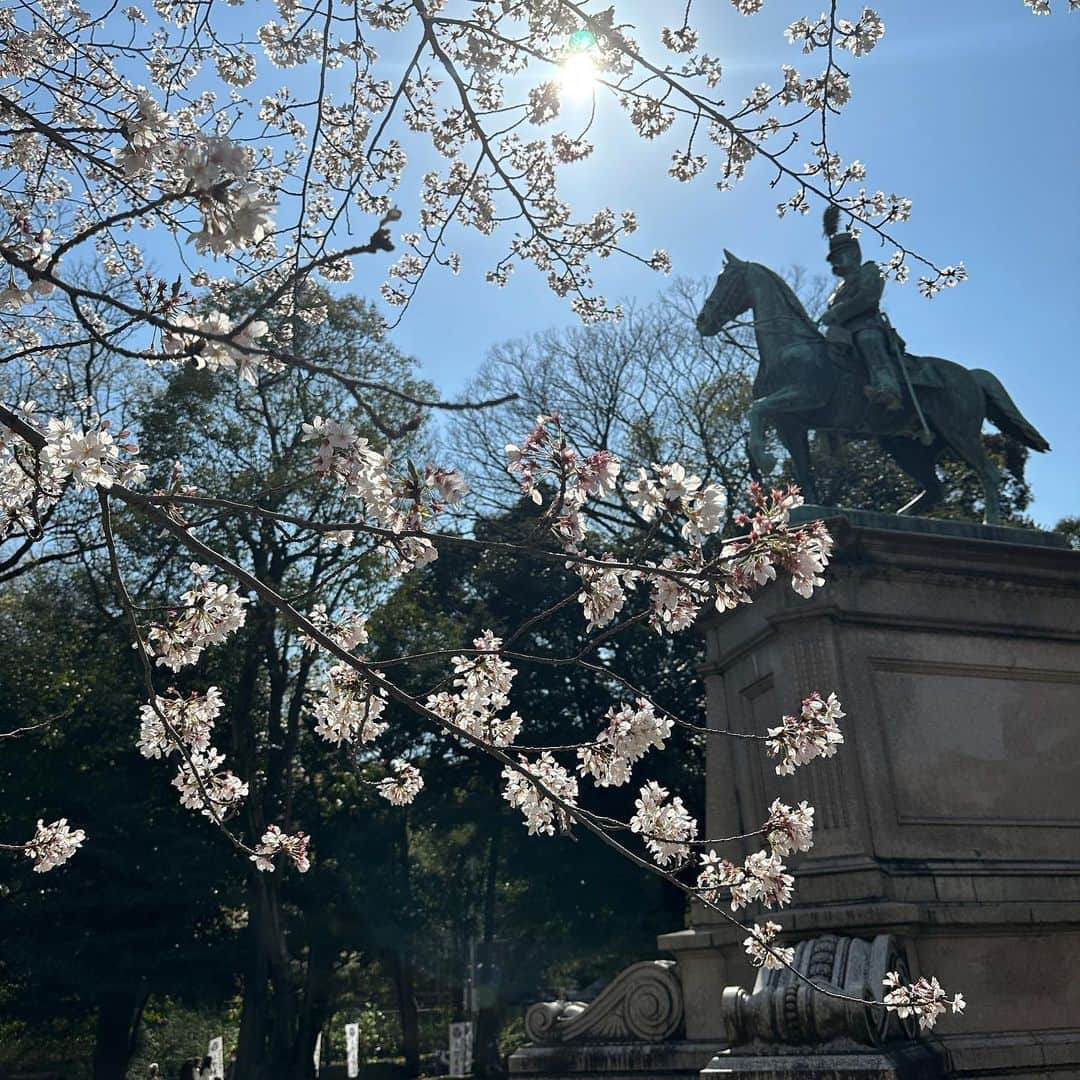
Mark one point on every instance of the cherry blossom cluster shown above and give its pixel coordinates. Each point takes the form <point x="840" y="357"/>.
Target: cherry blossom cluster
<point x="924" y="999"/>
<point x="274" y="841"/>
<point x="523" y="791"/>
<point x="1042" y="7"/>
<point x="347" y="708"/>
<point x="666" y="827"/>
<point x="788" y="830"/>
<point x="176" y="721"/>
<point x="685" y="583"/>
<point x="204" y="786"/>
<point x="52" y="845"/>
<point x="28" y="486"/>
<point x="761" y="877"/>
<point x="29" y="250"/>
<point x="184" y="725"/>
<point x="347" y="630"/>
<point x="946" y="278"/>
<point x="631" y="731"/>
<point x="89" y="457"/>
<point x="857" y="37"/>
<point x="402" y="785"/>
<point x="604" y="589"/>
<point x="762" y="949"/>
<point x="546" y="460"/>
<point x="208" y="613"/>
<point x="813" y="733"/>
<point x="682" y="583"/>
<point x="805" y="559"/>
<point x="671" y="491"/>
<point x="405" y="502"/>
<point x="483" y="682"/>
<point x="215" y="344"/>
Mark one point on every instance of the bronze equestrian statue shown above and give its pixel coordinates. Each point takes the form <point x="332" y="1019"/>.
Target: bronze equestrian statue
<point x="860" y="382"/>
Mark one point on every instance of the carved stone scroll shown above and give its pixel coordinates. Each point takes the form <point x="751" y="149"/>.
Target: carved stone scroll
<point x="644" y="1003"/>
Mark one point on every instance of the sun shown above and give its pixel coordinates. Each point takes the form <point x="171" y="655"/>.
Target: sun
<point x="577" y="74"/>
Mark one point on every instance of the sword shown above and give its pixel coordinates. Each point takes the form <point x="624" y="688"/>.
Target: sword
<point x="927" y="436"/>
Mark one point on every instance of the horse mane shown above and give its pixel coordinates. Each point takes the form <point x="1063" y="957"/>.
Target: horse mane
<point x="790" y="300"/>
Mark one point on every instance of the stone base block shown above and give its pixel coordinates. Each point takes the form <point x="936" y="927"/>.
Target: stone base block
<point x="674" y="1060"/>
<point x="1018" y="1055"/>
<point x="905" y="1063"/>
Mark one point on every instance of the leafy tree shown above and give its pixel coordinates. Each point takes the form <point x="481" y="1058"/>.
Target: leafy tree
<point x="248" y="447"/>
<point x="1069" y="527"/>
<point x="860" y="474"/>
<point x="146" y="910"/>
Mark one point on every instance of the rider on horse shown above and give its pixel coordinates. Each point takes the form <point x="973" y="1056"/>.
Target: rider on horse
<point x="853" y="307"/>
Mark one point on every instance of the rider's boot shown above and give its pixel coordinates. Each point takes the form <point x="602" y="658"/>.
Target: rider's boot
<point x="883" y="388"/>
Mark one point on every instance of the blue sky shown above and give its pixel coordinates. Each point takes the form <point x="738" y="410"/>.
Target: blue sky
<point x="966" y="106"/>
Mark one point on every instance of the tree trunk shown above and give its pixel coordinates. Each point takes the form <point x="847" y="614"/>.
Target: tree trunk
<point x="264" y="1046"/>
<point x="118" y="1014"/>
<point x="403" y="973"/>
<point x="315" y="1007"/>
<point x="254" y="1015"/>
<point x="489" y="1013"/>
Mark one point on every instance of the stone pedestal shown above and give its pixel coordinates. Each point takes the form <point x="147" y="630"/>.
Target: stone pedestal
<point x="951" y="816"/>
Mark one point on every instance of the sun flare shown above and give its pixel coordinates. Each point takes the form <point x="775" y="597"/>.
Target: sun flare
<point x="577" y="76"/>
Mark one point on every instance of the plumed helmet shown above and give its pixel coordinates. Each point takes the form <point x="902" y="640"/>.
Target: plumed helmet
<point x="842" y="242"/>
<point x="839" y="241"/>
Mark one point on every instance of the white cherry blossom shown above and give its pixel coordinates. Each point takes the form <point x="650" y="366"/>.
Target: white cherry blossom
<point x="924" y="999"/>
<point x="813" y="733"/>
<point x="542" y="814"/>
<point x="760" y="946"/>
<point x="666" y="827"/>
<point x="630" y="733"/>
<point x="402" y="785"/>
<point x="275" y="840"/>
<point x="53" y="844"/>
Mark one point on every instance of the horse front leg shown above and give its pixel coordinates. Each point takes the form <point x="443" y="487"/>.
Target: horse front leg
<point x="760" y="458"/>
<point x="795" y="437"/>
<point x="776" y="409"/>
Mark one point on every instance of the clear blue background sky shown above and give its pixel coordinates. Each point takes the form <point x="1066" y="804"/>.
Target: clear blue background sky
<point x="968" y="107"/>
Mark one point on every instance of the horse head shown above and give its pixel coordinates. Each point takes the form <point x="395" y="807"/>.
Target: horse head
<point x="728" y="299"/>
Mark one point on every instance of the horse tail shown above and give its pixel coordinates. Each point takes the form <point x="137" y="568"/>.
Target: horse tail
<point x="1002" y="412"/>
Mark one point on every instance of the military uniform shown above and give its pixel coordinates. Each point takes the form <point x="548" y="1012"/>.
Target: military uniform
<point x="854" y="306"/>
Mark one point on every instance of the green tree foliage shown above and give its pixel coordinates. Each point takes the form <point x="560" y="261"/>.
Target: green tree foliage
<point x="1069" y="527"/>
<point x="860" y="474"/>
<point x="246" y="445"/>
<point x="144" y="909"/>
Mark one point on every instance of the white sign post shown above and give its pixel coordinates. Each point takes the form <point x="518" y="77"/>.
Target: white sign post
<point x="461" y="1048"/>
<point x="216" y="1052"/>
<point x="352" y="1049"/>
<point x="318" y="1052"/>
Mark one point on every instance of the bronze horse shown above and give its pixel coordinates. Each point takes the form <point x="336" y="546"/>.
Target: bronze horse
<point x="803" y="383"/>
